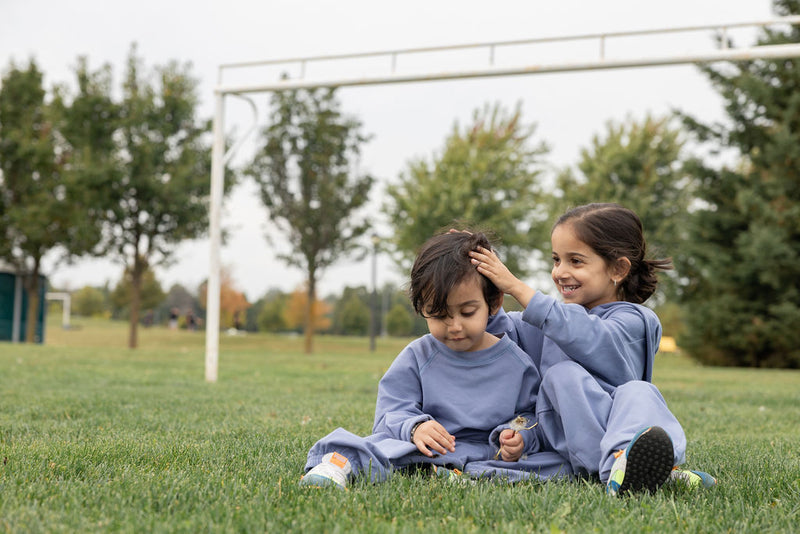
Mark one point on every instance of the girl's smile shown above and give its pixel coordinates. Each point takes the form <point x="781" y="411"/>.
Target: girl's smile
<point x="580" y="274"/>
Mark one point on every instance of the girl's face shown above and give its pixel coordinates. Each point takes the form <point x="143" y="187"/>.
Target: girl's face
<point x="581" y="275"/>
<point x="463" y="329"/>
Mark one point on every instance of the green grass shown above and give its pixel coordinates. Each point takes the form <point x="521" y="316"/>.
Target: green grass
<point x="96" y="437"/>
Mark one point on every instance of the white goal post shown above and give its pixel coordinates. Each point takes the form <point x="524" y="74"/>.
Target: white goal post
<point x="391" y="75"/>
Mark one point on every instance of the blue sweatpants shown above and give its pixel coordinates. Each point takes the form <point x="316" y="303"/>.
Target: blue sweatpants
<point x="586" y="424"/>
<point x="376" y="456"/>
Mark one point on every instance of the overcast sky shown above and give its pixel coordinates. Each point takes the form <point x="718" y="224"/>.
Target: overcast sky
<point x="407" y="121"/>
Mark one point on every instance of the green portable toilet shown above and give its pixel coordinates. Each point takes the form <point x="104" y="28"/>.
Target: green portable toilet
<point x="14" y="307"/>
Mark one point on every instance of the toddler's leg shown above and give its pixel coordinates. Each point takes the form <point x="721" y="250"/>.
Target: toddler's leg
<point x="373" y="456"/>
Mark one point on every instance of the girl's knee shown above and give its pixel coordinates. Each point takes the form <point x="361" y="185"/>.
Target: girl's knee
<point x="562" y="373"/>
<point x="637" y="388"/>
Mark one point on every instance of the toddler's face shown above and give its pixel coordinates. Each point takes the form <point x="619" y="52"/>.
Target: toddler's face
<point x="463" y="329"/>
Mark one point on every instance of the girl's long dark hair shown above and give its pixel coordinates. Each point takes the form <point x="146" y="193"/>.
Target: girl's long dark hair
<point x="614" y="232"/>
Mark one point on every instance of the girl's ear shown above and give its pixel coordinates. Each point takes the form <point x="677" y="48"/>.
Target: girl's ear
<point x="621" y="269"/>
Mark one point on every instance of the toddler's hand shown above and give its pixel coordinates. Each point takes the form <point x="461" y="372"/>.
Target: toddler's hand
<point x="511" y="445"/>
<point x="432" y="435"/>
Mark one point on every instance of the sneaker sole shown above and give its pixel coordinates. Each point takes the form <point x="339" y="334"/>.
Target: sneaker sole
<point x="650" y="462"/>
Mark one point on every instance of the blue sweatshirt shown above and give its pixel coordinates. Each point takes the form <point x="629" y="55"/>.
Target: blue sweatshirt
<point x="615" y="342"/>
<point x="470" y="393"/>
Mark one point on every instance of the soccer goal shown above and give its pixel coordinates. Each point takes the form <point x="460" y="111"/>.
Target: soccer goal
<point x="499" y="58"/>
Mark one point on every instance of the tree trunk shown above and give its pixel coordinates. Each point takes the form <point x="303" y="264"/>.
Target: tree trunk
<point x="32" y="289"/>
<point x="309" y="319"/>
<point x="136" y="299"/>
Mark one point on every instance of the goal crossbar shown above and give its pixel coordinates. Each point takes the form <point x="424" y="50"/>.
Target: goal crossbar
<point x="391" y="75"/>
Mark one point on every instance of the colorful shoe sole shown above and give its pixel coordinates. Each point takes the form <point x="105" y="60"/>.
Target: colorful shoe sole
<point x="649" y="461"/>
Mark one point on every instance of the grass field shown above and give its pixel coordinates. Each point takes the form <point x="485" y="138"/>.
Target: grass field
<point x="98" y="438"/>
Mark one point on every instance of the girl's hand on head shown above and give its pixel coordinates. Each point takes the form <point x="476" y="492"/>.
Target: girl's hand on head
<point x="432" y="435"/>
<point x="511" y="445"/>
<point x="489" y="265"/>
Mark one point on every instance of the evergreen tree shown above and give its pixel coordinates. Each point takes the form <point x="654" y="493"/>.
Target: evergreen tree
<point x="742" y="261"/>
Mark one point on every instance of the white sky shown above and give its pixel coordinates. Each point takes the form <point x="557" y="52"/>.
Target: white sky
<point x="408" y="121"/>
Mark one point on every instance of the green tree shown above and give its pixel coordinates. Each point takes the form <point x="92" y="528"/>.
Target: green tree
<point x="156" y="163"/>
<point x="351" y="315"/>
<point x="306" y="170"/>
<point x="487" y="177"/>
<point x="640" y="166"/>
<point x="742" y="262"/>
<point x="399" y="321"/>
<point x="150" y="292"/>
<point x="89" y="302"/>
<point x="38" y="212"/>
<point x="272" y="316"/>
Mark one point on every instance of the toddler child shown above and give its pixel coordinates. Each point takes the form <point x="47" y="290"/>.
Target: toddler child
<point x="448" y="397"/>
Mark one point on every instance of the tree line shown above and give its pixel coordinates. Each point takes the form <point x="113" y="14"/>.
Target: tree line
<point x="127" y="177"/>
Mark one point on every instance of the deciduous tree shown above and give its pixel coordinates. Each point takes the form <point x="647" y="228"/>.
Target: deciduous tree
<point x="38" y="210"/>
<point x="232" y="303"/>
<point x="150" y="292"/>
<point x="487" y="176"/>
<point x="638" y="164"/>
<point x="151" y="163"/>
<point x="307" y="171"/>
<point x="296" y="312"/>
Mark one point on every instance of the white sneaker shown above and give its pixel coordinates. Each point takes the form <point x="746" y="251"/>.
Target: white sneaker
<point x="333" y="470"/>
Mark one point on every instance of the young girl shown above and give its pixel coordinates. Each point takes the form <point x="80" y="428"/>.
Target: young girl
<point x="448" y="397"/>
<point x="596" y="405"/>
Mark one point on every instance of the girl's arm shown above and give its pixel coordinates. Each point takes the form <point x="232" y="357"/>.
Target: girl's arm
<point x="617" y="343"/>
<point x="617" y="346"/>
<point x="489" y="265"/>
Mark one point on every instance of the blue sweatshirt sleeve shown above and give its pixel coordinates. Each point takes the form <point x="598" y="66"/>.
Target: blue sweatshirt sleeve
<point x="615" y="344"/>
<point x="525" y="407"/>
<point x="399" y="404"/>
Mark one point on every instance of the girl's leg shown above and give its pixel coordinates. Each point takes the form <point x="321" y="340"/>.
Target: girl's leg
<point x="587" y="425"/>
<point x="638" y="405"/>
<point x="573" y="410"/>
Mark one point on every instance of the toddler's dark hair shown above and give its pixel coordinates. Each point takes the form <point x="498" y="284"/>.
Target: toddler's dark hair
<point x="613" y="232"/>
<point x="442" y="263"/>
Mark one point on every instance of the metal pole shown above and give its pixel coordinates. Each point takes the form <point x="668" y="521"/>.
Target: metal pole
<point x="215" y="239"/>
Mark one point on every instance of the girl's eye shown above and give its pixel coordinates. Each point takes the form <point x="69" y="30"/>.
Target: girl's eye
<point x="468" y="313"/>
